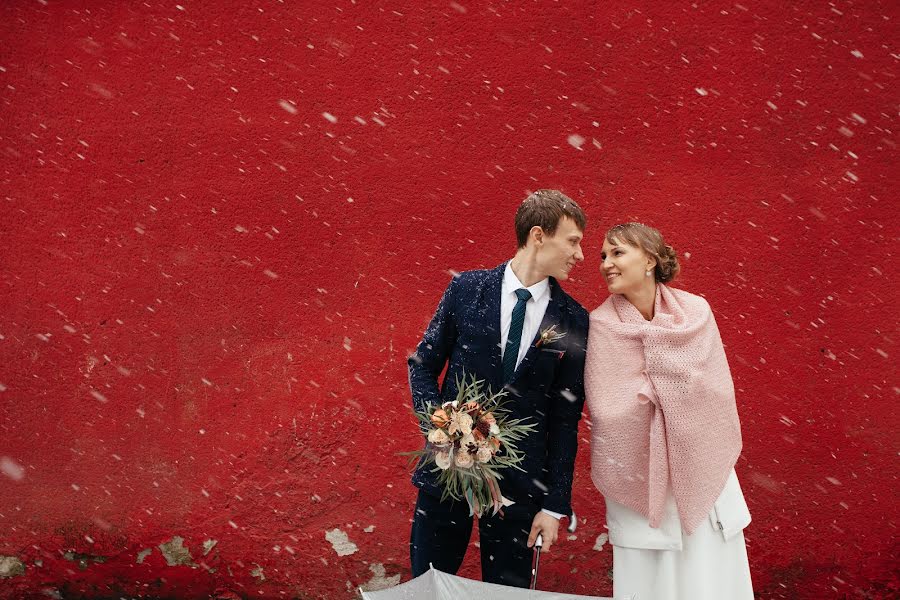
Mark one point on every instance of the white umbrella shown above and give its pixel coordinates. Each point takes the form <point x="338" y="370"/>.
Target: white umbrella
<point x="436" y="585"/>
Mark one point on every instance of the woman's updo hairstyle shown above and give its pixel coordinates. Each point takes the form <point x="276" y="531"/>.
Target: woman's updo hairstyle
<point x="650" y="240"/>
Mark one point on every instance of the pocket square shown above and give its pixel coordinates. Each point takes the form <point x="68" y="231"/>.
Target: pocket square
<point x="557" y="353"/>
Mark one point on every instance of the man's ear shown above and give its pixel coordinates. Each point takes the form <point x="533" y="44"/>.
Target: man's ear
<point x="537" y="234"/>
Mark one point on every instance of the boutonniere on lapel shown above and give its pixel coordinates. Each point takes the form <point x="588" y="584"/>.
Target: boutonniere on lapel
<point x="549" y="336"/>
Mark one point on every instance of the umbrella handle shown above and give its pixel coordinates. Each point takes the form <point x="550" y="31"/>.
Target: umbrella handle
<point x="573" y="522"/>
<point x="538" y="543"/>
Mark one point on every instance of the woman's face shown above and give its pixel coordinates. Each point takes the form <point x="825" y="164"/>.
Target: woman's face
<point x="625" y="267"/>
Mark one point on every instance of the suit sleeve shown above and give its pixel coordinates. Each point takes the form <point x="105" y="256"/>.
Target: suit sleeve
<point x="567" y="402"/>
<point x="433" y="351"/>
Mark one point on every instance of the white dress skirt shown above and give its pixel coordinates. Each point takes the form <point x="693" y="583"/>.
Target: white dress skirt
<point x="666" y="563"/>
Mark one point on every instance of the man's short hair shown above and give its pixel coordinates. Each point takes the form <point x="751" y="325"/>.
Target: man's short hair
<point x="545" y="208"/>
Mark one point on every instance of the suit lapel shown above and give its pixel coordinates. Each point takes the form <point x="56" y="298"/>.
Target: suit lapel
<point x="551" y="317"/>
<point x="492" y="290"/>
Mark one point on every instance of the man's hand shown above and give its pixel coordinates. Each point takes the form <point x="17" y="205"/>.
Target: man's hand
<point x="545" y="525"/>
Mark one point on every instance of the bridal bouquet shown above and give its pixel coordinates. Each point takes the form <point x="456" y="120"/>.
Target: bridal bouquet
<point x="470" y="441"/>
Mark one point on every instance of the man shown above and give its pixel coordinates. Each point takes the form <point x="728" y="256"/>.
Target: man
<point x="488" y="325"/>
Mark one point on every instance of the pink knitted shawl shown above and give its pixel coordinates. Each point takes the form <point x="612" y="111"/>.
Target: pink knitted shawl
<point x="662" y="406"/>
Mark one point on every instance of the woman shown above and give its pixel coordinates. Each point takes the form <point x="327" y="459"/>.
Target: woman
<point x="665" y="432"/>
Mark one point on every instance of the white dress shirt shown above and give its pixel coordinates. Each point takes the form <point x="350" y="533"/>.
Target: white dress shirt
<point x="534" y="314"/>
<point x="534" y="310"/>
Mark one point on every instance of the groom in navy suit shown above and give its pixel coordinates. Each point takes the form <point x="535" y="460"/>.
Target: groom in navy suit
<point x="489" y="324"/>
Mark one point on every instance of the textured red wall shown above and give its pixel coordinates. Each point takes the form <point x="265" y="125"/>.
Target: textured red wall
<point x="224" y="226"/>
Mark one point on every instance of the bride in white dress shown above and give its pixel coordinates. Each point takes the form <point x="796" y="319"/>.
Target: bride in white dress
<point x="665" y="432"/>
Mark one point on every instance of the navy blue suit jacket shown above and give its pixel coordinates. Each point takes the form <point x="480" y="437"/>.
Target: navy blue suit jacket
<point x="548" y="385"/>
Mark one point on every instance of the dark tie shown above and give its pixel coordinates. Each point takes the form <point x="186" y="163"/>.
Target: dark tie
<point x="511" y="353"/>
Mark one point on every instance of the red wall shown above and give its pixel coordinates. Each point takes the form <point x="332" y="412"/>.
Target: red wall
<point x="209" y="288"/>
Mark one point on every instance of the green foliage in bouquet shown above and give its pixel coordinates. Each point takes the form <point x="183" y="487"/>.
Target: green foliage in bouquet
<point x="471" y="440"/>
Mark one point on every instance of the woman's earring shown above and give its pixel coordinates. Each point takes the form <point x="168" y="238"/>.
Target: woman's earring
<point x="647" y="274"/>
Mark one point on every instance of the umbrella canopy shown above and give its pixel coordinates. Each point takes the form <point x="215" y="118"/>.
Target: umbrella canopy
<point x="436" y="585"/>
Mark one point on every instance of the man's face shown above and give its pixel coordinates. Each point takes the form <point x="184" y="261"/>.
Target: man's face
<point x="560" y="252"/>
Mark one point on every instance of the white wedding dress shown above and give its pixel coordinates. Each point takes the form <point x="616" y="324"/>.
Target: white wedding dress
<point x="666" y="563"/>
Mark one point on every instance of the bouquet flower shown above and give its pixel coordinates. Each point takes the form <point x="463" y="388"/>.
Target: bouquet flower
<point x="470" y="441"/>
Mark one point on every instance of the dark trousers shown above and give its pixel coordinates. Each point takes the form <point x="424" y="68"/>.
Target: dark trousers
<point x="440" y="535"/>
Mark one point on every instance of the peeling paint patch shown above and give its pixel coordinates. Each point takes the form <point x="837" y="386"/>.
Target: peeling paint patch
<point x="379" y="581"/>
<point x="11" y="566"/>
<point x="258" y="573"/>
<point x="208" y="545"/>
<point x="601" y="540"/>
<point x="369" y="529"/>
<point x="176" y="553"/>
<point x="340" y="542"/>
<point x="143" y="554"/>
